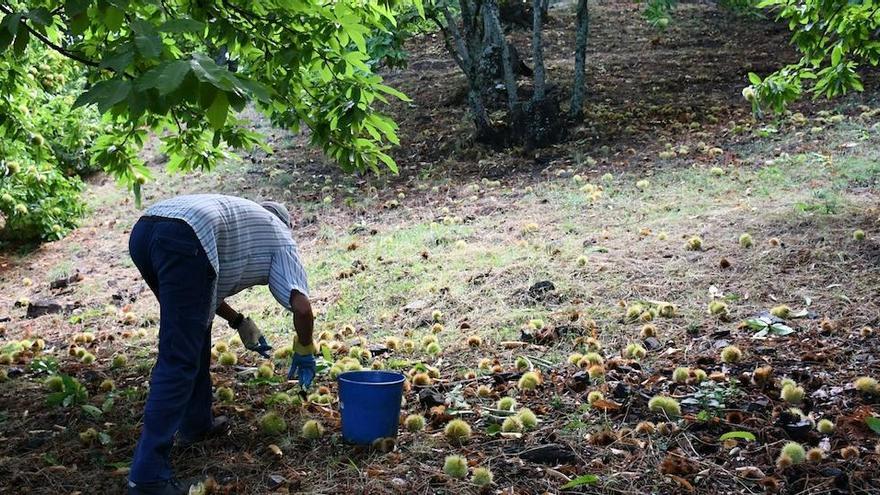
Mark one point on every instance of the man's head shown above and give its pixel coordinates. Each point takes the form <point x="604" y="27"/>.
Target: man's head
<point x="279" y="210"/>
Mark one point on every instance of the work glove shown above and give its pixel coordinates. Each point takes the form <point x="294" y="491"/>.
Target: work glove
<point x="303" y="364"/>
<point x="252" y="338"/>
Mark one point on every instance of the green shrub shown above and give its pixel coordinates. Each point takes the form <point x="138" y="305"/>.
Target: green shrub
<point x="38" y="202"/>
<point x="44" y="145"/>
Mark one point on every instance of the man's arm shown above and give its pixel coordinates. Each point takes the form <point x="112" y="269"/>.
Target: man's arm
<point x="303" y="319"/>
<point x="230" y="315"/>
<point x="250" y="335"/>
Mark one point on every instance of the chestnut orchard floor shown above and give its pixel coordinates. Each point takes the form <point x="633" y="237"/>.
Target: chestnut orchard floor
<point x="587" y="249"/>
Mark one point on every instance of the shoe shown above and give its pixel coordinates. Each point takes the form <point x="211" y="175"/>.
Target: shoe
<point x="173" y="486"/>
<point x="219" y="427"/>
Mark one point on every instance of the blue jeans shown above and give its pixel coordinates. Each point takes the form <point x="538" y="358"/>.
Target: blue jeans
<point x="172" y="262"/>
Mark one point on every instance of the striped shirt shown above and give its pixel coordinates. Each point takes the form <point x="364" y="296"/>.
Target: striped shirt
<point x="246" y="244"/>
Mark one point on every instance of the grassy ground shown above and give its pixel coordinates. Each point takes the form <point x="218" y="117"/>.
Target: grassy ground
<point x="607" y="228"/>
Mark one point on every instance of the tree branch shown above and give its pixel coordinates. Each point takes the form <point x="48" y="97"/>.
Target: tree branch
<point x="46" y="41"/>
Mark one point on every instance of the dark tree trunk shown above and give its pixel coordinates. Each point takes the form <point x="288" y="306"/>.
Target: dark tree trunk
<point x="578" y="90"/>
<point x="490" y="10"/>
<point x="478" y="45"/>
<point x="465" y="48"/>
<point x="538" y="52"/>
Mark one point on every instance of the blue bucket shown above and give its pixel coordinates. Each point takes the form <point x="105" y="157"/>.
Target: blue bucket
<point x="369" y="403"/>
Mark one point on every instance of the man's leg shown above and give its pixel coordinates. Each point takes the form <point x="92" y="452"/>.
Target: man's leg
<point x="184" y="279"/>
<point x="198" y="418"/>
<point x="139" y="249"/>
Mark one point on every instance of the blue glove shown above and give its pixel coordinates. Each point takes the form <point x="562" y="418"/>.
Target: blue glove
<point x="262" y="348"/>
<point x="252" y="338"/>
<point x="302" y="367"/>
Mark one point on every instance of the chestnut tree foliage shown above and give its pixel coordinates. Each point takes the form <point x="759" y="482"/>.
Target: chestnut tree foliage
<point x="835" y="38"/>
<point x="182" y="69"/>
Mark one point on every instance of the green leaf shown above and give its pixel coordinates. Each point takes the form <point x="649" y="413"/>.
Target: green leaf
<point x="21" y="40"/>
<point x="206" y="70"/>
<point x="389" y="162"/>
<point x="55" y="399"/>
<point x="6" y="34"/>
<point x="74" y="8"/>
<point x="754" y="78"/>
<point x="393" y="92"/>
<point x="92" y="411"/>
<point x="255" y="90"/>
<point x="113" y="18"/>
<point x="104" y="438"/>
<point x="873" y="423"/>
<point x="182" y="25"/>
<point x="120" y="59"/>
<point x="587" y="479"/>
<point x="10" y="23"/>
<point x="166" y="78"/>
<point x="79" y="23"/>
<point x="147" y="40"/>
<point x="742" y="435"/>
<point x="105" y="94"/>
<point x="836" y="54"/>
<point x="136" y="190"/>
<point x="40" y="16"/>
<point x="780" y="329"/>
<point x="328" y="355"/>
<point x="218" y="110"/>
<point x="756" y="324"/>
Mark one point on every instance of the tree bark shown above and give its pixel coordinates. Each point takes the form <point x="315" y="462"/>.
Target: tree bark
<point x="455" y="44"/>
<point x="469" y="47"/>
<point x="578" y="90"/>
<point x="538" y="52"/>
<point x="490" y="10"/>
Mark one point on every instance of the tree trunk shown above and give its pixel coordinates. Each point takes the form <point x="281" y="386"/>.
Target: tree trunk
<point x="490" y="10"/>
<point x="455" y="44"/>
<point x="465" y="49"/>
<point x="580" y="61"/>
<point x="538" y="53"/>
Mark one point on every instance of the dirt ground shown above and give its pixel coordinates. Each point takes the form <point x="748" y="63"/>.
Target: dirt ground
<point x="546" y="262"/>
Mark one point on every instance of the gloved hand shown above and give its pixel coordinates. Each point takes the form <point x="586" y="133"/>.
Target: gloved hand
<point x="303" y="364"/>
<point x="252" y="338"/>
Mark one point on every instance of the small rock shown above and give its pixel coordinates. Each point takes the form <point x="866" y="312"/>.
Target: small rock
<point x="399" y="484"/>
<point x="621" y="391"/>
<point x="758" y="405"/>
<point x="551" y="454"/>
<point x="46" y="307"/>
<point x="797" y="427"/>
<point x="652" y="344"/>
<point x="750" y="472"/>
<point x="579" y="381"/>
<point x="540" y="289"/>
<point x="276" y="480"/>
<point x="841" y="480"/>
<point x="430" y="398"/>
<point x="417" y="305"/>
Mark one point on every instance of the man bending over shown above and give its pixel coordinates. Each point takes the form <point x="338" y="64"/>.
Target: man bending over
<point x="193" y="252"/>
